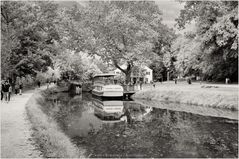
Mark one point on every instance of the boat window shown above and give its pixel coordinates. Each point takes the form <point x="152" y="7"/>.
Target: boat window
<point x="109" y="81"/>
<point x="104" y="80"/>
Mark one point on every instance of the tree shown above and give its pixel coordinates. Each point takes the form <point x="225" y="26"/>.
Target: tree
<point x="9" y="14"/>
<point x="159" y="70"/>
<point x="28" y="35"/>
<point x="75" y="66"/>
<point x="69" y="64"/>
<point x="122" y="32"/>
<point x="72" y="32"/>
<point x="90" y="67"/>
<point x="101" y="65"/>
<point x="187" y="55"/>
<point x="163" y="63"/>
<point x="217" y="35"/>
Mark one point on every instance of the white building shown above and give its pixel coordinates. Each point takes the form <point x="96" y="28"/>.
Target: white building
<point x="143" y="73"/>
<point x="148" y="77"/>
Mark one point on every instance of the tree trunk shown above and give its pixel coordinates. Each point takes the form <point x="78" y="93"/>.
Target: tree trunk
<point x="126" y="71"/>
<point x="127" y="75"/>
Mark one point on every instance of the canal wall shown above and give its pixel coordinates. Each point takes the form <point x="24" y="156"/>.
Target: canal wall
<point x="51" y="140"/>
<point x="217" y="97"/>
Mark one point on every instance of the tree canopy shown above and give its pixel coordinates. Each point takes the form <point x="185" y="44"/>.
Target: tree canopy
<point x="28" y="32"/>
<point x="212" y="49"/>
<point x="36" y="35"/>
<point x="123" y="32"/>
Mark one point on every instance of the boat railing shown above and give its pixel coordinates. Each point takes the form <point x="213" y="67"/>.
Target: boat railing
<point x="131" y="88"/>
<point x="99" y="82"/>
<point x="104" y="83"/>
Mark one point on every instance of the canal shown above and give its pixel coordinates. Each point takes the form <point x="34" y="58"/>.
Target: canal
<point x="129" y="129"/>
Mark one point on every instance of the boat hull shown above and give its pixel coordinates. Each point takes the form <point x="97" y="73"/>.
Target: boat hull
<point x="108" y="91"/>
<point x="106" y="97"/>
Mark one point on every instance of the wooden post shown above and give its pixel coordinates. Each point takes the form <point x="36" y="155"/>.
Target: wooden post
<point x="168" y="76"/>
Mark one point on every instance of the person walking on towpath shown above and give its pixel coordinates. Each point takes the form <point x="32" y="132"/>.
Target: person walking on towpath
<point x="5" y="89"/>
<point x="9" y="93"/>
<point x="16" y="87"/>
<point x="20" y="86"/>
<point x="2" y="83"/>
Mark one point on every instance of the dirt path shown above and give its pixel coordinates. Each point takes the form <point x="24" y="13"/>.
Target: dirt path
<point x="16" y="140"/>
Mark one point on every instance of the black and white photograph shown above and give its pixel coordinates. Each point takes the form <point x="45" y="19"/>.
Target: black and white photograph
<point x="119" y="79"/>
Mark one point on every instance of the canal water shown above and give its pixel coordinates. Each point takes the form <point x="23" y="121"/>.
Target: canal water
<point x="128" y="129"/>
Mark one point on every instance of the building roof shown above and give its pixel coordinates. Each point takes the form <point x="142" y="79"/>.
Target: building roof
<point x="105" y="75"/>
<point x="143" y="67"/>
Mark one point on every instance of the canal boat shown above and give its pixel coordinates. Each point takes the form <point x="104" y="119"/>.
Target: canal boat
<point x="104" y="86"/>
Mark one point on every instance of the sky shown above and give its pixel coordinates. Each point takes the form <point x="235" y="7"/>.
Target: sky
<point x="171" y="10"/>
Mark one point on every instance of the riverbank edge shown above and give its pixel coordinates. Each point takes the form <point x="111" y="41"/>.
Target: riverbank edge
<point x="50" y="139"/>
<point x="191" y="98"/>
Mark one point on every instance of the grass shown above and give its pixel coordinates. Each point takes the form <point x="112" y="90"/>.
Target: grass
<point x="51" y="140"/>
<point x="217" y="96"/>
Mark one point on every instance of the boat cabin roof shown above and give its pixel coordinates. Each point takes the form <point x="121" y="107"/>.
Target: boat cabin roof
<point x="105" y="75"/>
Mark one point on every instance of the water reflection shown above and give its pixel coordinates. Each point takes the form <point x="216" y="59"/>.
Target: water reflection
<point x="108" y="110"/>
<point x="128" y="129"/>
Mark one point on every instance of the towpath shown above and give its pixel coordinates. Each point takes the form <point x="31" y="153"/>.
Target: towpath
<point x="16" y="139"/>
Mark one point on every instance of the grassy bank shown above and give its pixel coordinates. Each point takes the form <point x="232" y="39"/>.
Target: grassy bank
<point x="219" y="96"/>
<point x="51" y="140"/>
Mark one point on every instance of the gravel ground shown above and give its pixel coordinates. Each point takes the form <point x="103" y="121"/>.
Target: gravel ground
<point x="16" y="140"/>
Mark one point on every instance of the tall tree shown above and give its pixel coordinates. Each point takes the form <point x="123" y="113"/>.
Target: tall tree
<point x="123" y="32"/>
<point x="217" y="31"/>
<point x="163" y="63"/>
<point x="28" y="35"/>
<point x="188" y="55"/>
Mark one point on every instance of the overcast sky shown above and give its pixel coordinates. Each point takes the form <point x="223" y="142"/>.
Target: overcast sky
<point x="171" y="10"/>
